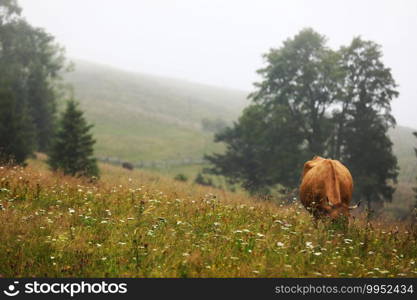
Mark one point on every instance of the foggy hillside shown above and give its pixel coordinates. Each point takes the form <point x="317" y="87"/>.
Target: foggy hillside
<point x="160" y="118"/>
<point x="167" y="100"/>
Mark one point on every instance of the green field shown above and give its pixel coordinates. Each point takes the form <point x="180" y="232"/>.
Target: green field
<point x="140" y="224"/>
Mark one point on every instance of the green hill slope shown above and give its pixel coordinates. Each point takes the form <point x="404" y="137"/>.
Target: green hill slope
<point x="404" y="197"/>
<point x="142" y="117"/>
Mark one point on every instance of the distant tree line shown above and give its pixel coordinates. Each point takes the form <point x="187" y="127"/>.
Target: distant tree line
<point x="313" y="100"/>
<point x="31" y="63"/>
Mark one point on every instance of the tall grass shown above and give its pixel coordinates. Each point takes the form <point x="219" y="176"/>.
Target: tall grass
<point x="135" y="224"/>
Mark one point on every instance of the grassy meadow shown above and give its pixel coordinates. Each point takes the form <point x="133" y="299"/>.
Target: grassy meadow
<point x="141" y="224"/>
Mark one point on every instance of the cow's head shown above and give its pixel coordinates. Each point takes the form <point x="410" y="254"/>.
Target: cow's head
<point x="335" y="211"/>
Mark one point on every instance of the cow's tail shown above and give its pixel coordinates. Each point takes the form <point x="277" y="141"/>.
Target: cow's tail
<point x="333" y="190"/>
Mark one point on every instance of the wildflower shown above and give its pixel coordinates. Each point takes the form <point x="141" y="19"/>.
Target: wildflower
<point x="348" y="241"/>
<point x="317" y="253"/>
<point x="98" y="245"/>
<point x="185" y="254"/>
<point x="103" y="222"/>
<point x="150" y="232"/>
<point x="103" y="258"/>
<point x="309" y="245"/>
<point x="279" y="244"/>
<point x="260" y="235"/>
<point x="216" y="224"/>
<point x="71" y="210"/>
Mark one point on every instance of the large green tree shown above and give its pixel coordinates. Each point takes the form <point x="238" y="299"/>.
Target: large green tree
<point x="72" y="149"/>
<point x="16" y="130"/>
<point x="30" y="63"/>
<point x="288" y="121"/>
<point x="368" y="89"/>
<point x="302" y="76"/>
<point x="256" y="146"/>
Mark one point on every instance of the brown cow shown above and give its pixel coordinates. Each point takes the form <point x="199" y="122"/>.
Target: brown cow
<point x="326" y="188"/>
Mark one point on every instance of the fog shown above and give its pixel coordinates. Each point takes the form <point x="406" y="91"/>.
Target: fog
<point x="222" y="42"/>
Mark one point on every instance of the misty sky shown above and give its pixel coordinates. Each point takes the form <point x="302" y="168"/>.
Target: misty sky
<point x="222" y="42"/>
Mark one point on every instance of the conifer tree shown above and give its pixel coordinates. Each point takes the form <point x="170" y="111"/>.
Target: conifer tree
<point x="72" y="149"/>
<point x="366" y="148"/>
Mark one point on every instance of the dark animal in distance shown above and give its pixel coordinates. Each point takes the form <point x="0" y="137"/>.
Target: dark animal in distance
<point x="127" y="165"/>
<point x="326" y="188"/>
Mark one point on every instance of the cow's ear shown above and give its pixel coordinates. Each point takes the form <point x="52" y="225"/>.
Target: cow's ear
<point x="355" y="206"/>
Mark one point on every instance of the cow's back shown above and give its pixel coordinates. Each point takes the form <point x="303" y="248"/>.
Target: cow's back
<point x="345" y="181"/>
<point x="326" y="178"/>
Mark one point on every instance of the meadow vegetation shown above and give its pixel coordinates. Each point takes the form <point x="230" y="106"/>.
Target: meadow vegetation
<point x="139" y="224"/>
